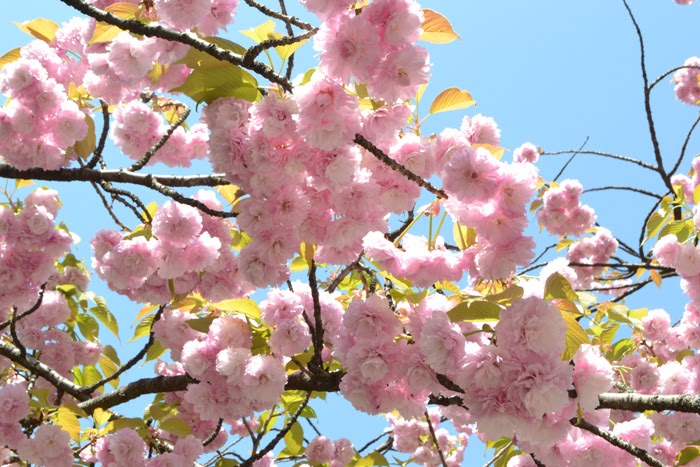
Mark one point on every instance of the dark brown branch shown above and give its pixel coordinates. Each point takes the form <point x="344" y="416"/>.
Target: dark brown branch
<point x="118" y="195"/>
<point x="316" y="363"/>
<point x="647" y="103"/>
<point x="169" y="192"/>
<point x="570" y="160"/>
<point x="155" y="30"/>
<point x="282" y="17"/>
<point x="685" y="146"/>
<point x="40" y="369"/>
<point x="214" y="433"/>
<point x="134" y="360"/>
<point x="271" y="445"/>
<point x="97" y="154"/>
<point x="257" y="49"/>
<point x="116" y="176"/>
<point x="379" y="154"/>
<point x="639" y="453"/>
<point x="28" y="312"/>
<point x="290" y="32"/>
<point x="672" y="70"/>
<point x="435" y="441"/>
<point x="108" y="207"/>
<point x="138" y="165"/>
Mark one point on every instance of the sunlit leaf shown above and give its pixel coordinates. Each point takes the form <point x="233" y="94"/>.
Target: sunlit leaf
<point x="654" y="224"/>
<point x="436" y="28"/>
<point x="420" y="92"/>
<point x="104" y="33"/>
<point x="123" y="10"/>
<point x="655" y="276"/>
<point x="372" y="459"/>
<point x="10" y="57"/>
<point x="687" y="455"/>
<point x="451" y="99"/>
<point x="558" y="287"/>
<point x="575" y="336"/>
<point x="143" y="328"/>
<point x="475" y="311"/>
<point x="68" y="421"/>
<point x="241" y="305"/>
<point x="20" y="183"/>
<point x="105" y="316"/>
<point x="109" y="368"/>
<point x="41" y="28"/>
<point x="294" y="440"/>
<point x="200" y="324"/>
<point x="119" y="423"/>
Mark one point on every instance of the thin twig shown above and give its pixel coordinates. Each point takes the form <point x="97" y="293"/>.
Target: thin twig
<point x="379" y="154"/>
<point x="108" y="208"/>
<point x="499" y="454"/>
<point x="290" y="32"/>
<point x="209" y="439"/>
<point x="570" y="160"/>
<point x="685" y="146"/>
<point x="28" y="312"/>
<point x="282" y="17"/>
<point x="257" y="49"/>
<point x="435" y="441"/>
<point x="97" y="154"/>
<point x="138" y="165"/>
<point x="625" y="188"/>
<point x="672" y="70"/>
<point x="605" y="154"/>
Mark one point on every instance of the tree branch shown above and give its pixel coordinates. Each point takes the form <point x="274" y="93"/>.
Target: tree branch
<point x="639" y="453"/>
<point x="274" y="14"/>
<point x="138" y="165"/>
<point x="155" y="30"/>
<point x="640" y="402"/>
<point x="257" y="49"/>
<point x="625" y="188"/>
<point x="379" y="154"/>
<point x="605" y="154"/>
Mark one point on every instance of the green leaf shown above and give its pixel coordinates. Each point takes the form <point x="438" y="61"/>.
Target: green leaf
<point x="260" y="33"/>
<point x="558" y="287"/>
<point x="109" y="352"/>
<point x="200" y="324"/>
<point x="451" y="99"/>
<point x="464" y="236"/>
<point x="475" y="311"/>
<point x="307" y="76"/>
<point x="176" y="426"/>
<point x="294" y="440"/>
<point x="105" y="316"/>
<point x="88" y="326"/>
<point x="209" y="84"/>
<point x="91" y="375"/>
<point x="198" y="59"/>
<point x="155" y="351"/>
<point x="143" y="328"/>
<point x="575" y="336"/>
<point x="118" y="424"/>
<point x="620" y="349"/>
<point x="10" y="57"/>
<point x="654" y="224"/>
<point x="372" y="459"/>
<point x="436" y="28"/>
<point x="681" y="229"/>
<point x="508" y="296"/>
<point x="226" y="463"/>
<point x="687" y="454"/>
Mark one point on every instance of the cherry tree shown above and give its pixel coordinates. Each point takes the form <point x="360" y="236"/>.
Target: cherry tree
<point x="330" y="245"/>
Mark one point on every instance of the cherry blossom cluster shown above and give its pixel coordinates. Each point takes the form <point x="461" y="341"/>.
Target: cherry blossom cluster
<point x="182" y="246"/>
<point x="413" y="436"/>
<point x="375" y="47"/>
<point x="338" y="453"/>
<point x="137" y="128"/>
<point x="40" y="124"/>
<point x="30" y="242"/>
<point x="207" y="16"/>
<point x="562" y="213"/>
<point x="596" y="249"/>
<point x="687" y="87"/>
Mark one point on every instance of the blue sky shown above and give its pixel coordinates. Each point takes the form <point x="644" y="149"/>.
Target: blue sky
<point x="550" y="72"/>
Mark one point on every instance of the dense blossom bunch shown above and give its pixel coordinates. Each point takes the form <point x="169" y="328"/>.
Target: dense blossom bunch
<point x="182" y="243"/>
<point x="562" y="213"/>
<point x="687" y="86"/>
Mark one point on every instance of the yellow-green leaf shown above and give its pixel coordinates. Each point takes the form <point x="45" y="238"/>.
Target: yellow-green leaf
<point x="436" y="28"/>
<point x="655" y="276"/>
<point x="19" y="183"/>
<point x="372" y="459"/>
<point x="176" y="426"/>
<point x="558" y="287"/>
<point x="241" y="305"/>
<point x="118" y="424"/>
<point x="143" y="328"/>
<point x="197" y="59"/>
<point x="284" y="51"/>
<point x="261" y="33"/>
<point x="475" y="311"/>
<point x="230" y="193"/>
<point x="451" y="99"/>
<point x="307" y="252"/>
<point x="298" y="264"/>
<point x="109" y="368"/>
<point x="41" y="28"/>
<point x="123" y="10"/>
<point x="85" y="147"/>
<point x="575" y="336"/>
<point x="10" y="57"/>
<point x="209" y="84"/>
<point x="294" y="439"/>
<point x="200" y="324"/>
<point x="654" y="224"/>
<point x="687" y="455"/>
<point x="68" y="421"/>
<point x="104" y="33"/>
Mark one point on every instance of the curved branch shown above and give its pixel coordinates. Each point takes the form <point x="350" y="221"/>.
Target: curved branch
<point x="570" y="160"/>
<point x="379" y="154"/>
<point x="685" y="146"/>
<point x="138" y="165"/>
<point x="639" y="453"/>
<point x="97" y="153"/>
<point x="28" y="312"/>
<point x="435" y="441"/>
<point x="605" y="154"/>
<point x="257" y="49"/>
<point x="647" y="103"/>
<point x="625" y="188"/>
<point x="672" y="70"/>
<point x="274" y="14"/>
<point x="187" y="38"/>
